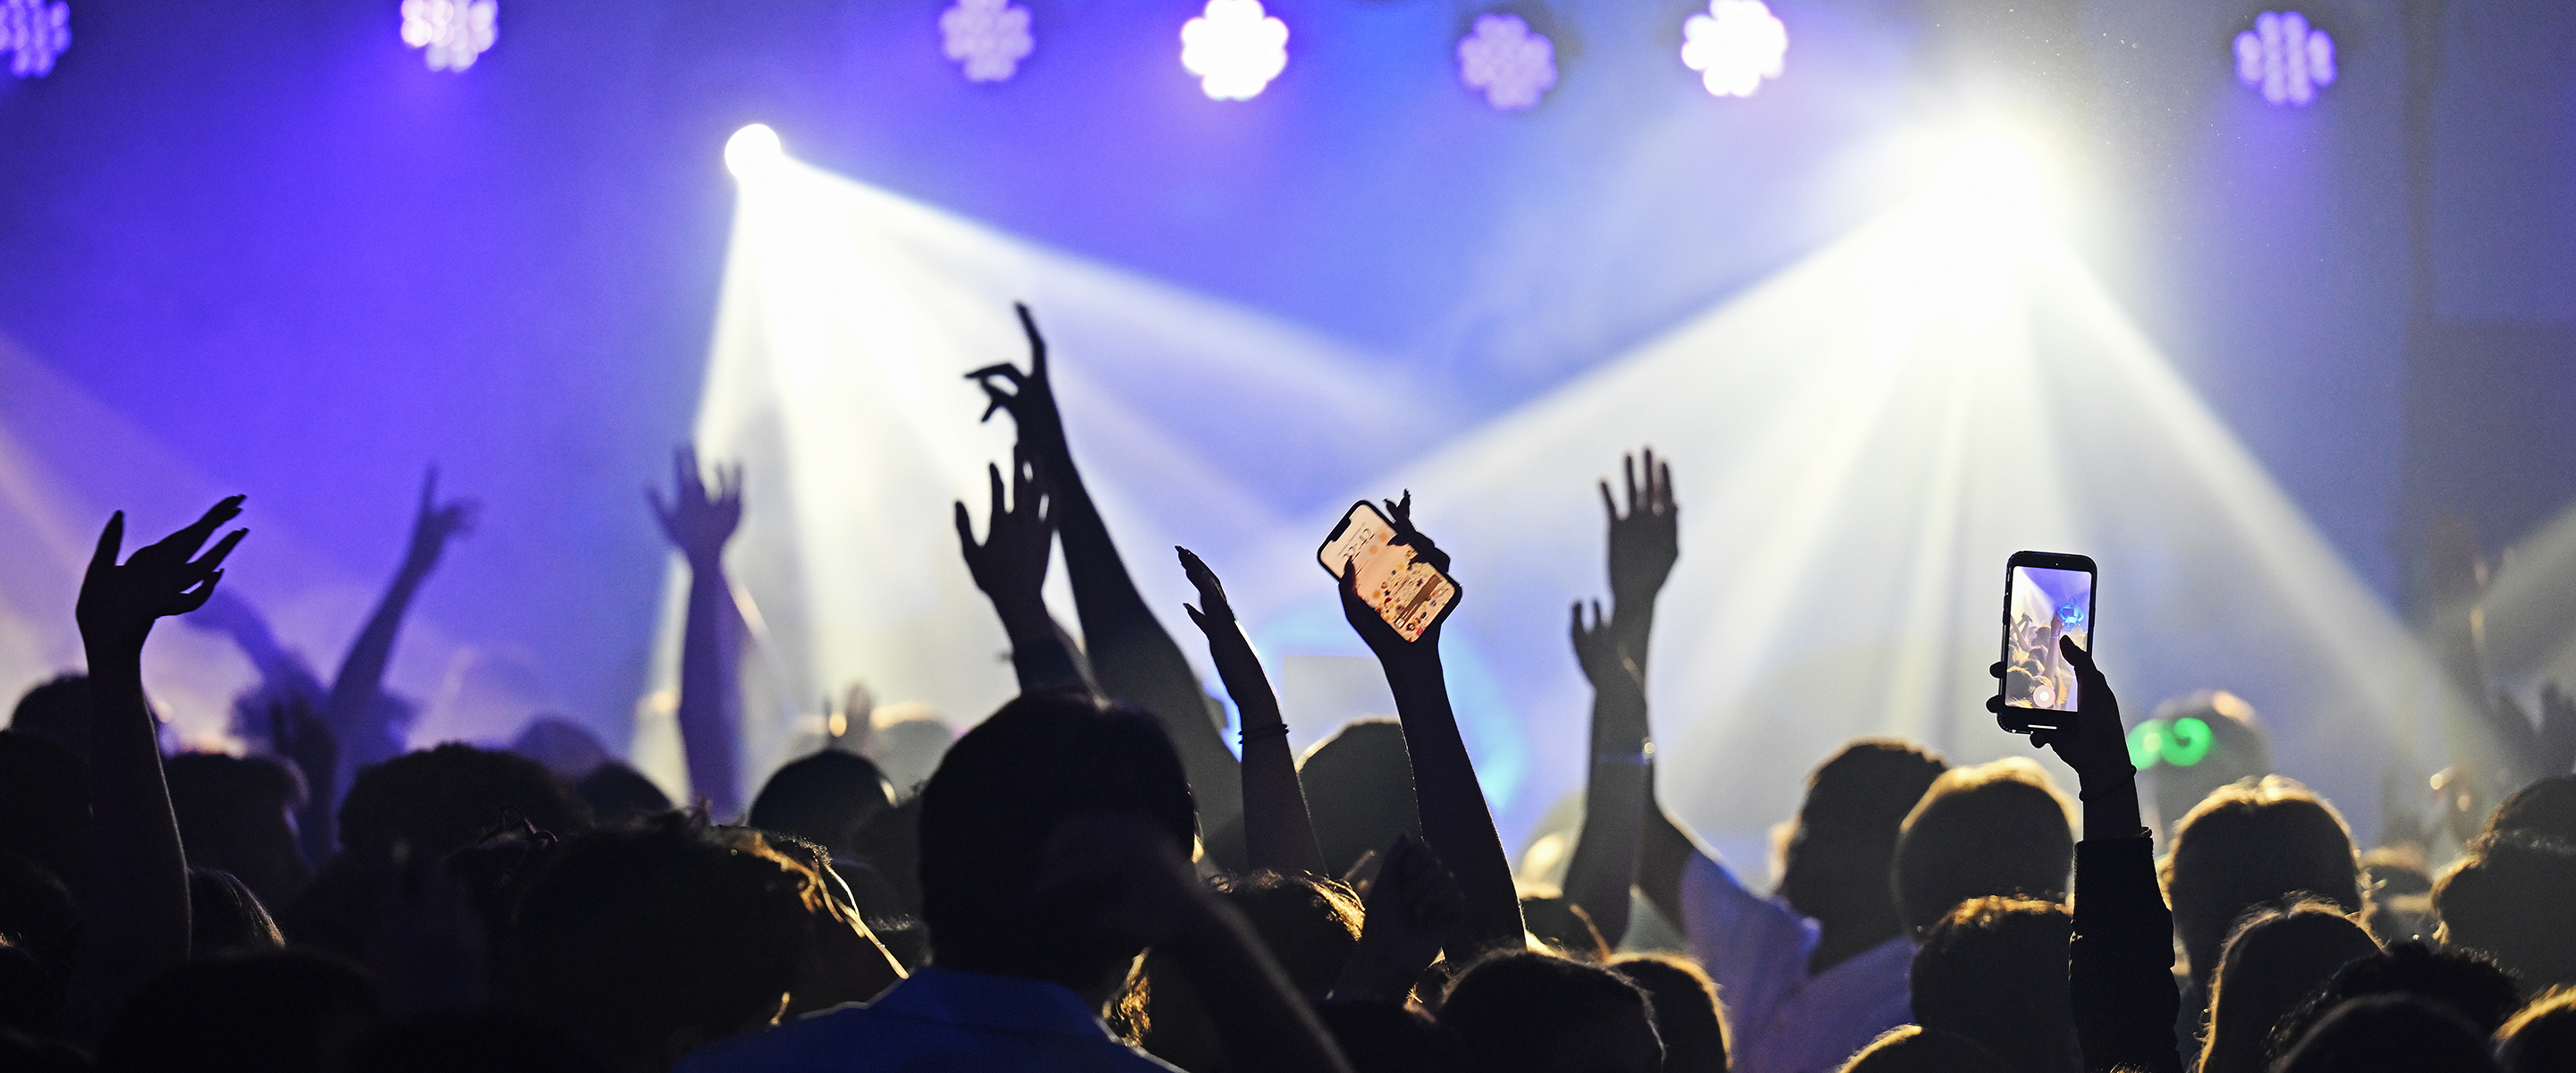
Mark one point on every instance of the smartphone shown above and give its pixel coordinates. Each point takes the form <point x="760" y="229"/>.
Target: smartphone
<point x="1409" y="594"/>
<point x="2047" y="595"/>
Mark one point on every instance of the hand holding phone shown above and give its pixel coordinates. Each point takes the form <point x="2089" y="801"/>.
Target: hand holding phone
<point x="2048" y="597"/>
<point x="1408" y="592"/>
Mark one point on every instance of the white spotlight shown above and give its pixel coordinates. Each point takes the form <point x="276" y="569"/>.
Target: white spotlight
<point x="753" y="151"/>
<point x="1235" y="49"/>
<point x="1996" y="174"/>
<point x="1734" y="46"/>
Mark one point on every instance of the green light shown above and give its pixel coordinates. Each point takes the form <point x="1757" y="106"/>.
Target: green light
<point x="2189" y="742"/>
<point x="2146" y="743"/>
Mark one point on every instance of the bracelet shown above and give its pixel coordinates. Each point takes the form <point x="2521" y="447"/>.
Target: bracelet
<point x="1645" y="756"/>
<point x="1274" y="730"/>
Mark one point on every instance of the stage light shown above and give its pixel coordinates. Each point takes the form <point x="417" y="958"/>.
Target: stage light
<point x="753" y="151"/>
<point x="33" y="33"/>
<point x="2285" y="58"/>
<point x="454" y="33"/>
<point x="1234" y="48"/>
<point x="1510" y="65"/>
<point x="1734" y="46"/>
<point x="988" y="37"/>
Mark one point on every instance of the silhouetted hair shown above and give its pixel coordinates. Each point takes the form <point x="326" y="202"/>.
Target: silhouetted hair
<point x="1685" y="1003"/>
<point x="619" y="794"/>
<point x="1309" y="925"/>
<point x="998" y="796"/>
<point x="225" y="917"/>
<point x="2390" y="1034"/>
<point x="1916" y="1049"/>
<point x="2463" y="982"/>
<point x="1563" y="925"/>
<point x="44" y="806"/>
<point x="1992" y="829"/>
<point x="1359" y="789"/>
<point x="2273" y="960"/>
<point x="2514" y="897"/>
<point x="281" y="1011"/>
<point x="1513" y="1006"/>
<point x="630" y="934"/>
<point x="1384" y="1037"/>
<point x="565" y="747"/>
<point x="2547" y="807"/>
<point x="2542" y="1038"/>
<point x="232" y="815"/>
<point x="443" y="799"/>
<point x="1869" y="787"/>
<point x="2250" y="844"/>
<point x="58" y="711"/>
<point x="483" y="1041"/>
<point x="1994" y="970"/>
<point x="824" y="798"/>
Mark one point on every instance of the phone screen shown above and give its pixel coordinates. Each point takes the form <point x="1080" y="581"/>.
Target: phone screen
<point x="1410" y="595"/>
<point x="2046" y="604"/>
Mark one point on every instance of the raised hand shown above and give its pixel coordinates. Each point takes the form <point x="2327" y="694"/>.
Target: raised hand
<point x="1031" y="398"/>
<point x="1010" y="565"/>
<point x="2097" y="747"/>
<point x="1604" y="656"/>
<point x="119" y="604"/>
<point x="1278" y="834"/>
<point x="1646" y="539"/>
<point x="436" y="525"/>
<point x="1412" y="908"/>
<point x="1390" y="646"/>
<point x="699" y="522"/>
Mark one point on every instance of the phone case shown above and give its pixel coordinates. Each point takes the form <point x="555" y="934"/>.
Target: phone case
<point x="1410" y="595"/>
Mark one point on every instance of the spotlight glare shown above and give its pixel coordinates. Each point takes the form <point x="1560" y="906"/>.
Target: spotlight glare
<point x="2285" y="58"/>
<point x="753" y="151"/>
<point x="1994" y="175"/>
<point x="452" y="33"/>
<point x="33" y="33"/>
<point x="1507" y="63"/>
<point x="988" y="38"/>
<point x="1235" y="49"/>
<point x="1734" y="46"/>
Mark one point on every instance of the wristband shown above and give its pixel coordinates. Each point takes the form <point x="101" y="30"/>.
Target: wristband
<point x="1274" y="730"/>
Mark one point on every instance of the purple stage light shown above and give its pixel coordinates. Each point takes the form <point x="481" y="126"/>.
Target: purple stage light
<point x="1734" y="46"/>
<point x="1234" y="48"/>
<point x="988" y="37"/>
<point x="454" y="32"/>
<point x="2285" y="58"/>
<point x="33" y="32"/>
<point x="1504" y="60"/>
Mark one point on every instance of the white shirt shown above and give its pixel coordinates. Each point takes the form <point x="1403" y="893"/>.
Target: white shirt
<point x="1780" y="1019"/>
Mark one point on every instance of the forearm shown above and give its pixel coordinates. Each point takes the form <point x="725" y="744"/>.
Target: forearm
<point x="362" y="671"/>
<point x="1262" y="1024"/>
<point x="1632" y="617"/>
<point x="138" y="889"/>
<point x="706" y="691"/>
<point x="1278" y="834"/>
<point x="1042" y="655"/>
<point x="1455" y="821"/>
<point x="1664" y="852"/>
<point x="1604" y="865"/>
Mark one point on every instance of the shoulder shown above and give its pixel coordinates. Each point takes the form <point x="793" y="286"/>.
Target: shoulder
<point x="801" y="1044"/>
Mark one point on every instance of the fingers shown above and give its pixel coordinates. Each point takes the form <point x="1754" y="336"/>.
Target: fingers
<point x="994" y="474"/>
<point x="1037" y="343"/>
<point x="189" y="601"/>
<point x="1609" y="506"/>
<point x="212" y="564"/>
<point x="966" y="533"/>
<point x="110" y="541"/>
<point x="429" y="491"/>
<point x="1628" y="466"/>
<point x="2076" y="656"/>
<point x="186" y="541"/>
<point x="1996" y="670"/>
<point x="1664" y="488"/>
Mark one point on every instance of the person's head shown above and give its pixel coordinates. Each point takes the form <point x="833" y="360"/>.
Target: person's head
<point x="1992" y="829"/>
<point x="1000" y="794"/>
<point x="1387" y="1037"/>
<point x="1526" y="1012"/>
<point x="482" y="1041"/>
<point x="1359" y="788"/>
<point x="57" y="711"/>
<point x="1840" y="855"/>
<point x="2390" y="1034"/>
<point x="2275" y="957"/>
<point x="1916" y="1049"/>
<point x="288" y="1011"/>
<point x="1685" y="1003"/>
<point x="619" y="794"/>
<point x="639" y="943"/>
<point x="1564" y="926"/>
<point x="2547" y="808"/>
<point x="1994" y="970"/>
<point x="907" y="741"/>
<point x="2249" y="844"/>
<point x="44" y="806"/>
<point x="237" y="815"/>
<point x="1310" y="928"/>
<point x="565" y="747"/>
<point x="225" y="917"/>
<point x="2542" y="1038"/>
<point x="2461" y="982"/>
<point x="2204" y="740"/>
<point x="441" y="800"/>
<point x="2514" y="898"/>
<point x="826" y="799"/>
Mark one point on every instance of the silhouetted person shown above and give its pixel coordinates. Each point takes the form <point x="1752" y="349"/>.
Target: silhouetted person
<point x="2247" y="845"/>
<point x="619" y="794"/>
<point x="2460" y="982"/>
<point x="237" y="814"/>
<point x="828" y="799"/>
<point x="1992" y="829"/>
<point x="1523" y="1012"/>
<point x="1686" y="1017"/>
<point x="2546" y="807"/>
<point x="2238" y="749"/>
<point x="1916" y="1049"/>
<point x="2272" y="962"/>
<point x="1359" y="790"/>
<point x="2514" y="899"/>
<point x="466" y="1042"/>
<point x="1388" y="1037"/>
<point x="279" y="1012"/>
<point x="2390" y="1034"/>
<point x="58" y="711"/>
<point x="225" y="917"/>
<point x="2542" y="1038"/>
<point x="44" y="807"/>
<point x="1994" y="970"/>
<point x="1309" y="926"/>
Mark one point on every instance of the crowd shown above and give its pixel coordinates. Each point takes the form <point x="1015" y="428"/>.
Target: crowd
<point x="1090" y="879"/>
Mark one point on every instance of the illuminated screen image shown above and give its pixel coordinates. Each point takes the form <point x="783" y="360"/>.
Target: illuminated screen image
<point x="1409" y="595"/>
<point x="2046" y="605"/>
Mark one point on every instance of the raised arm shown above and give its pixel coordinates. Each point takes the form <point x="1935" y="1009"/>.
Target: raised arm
<point x="2120" y="968"/>
<point x="1133" y="658"/>
<point x="1644" y="544"/>
<point x="699" y="524"/>
<point x="1011" y="565"/>
<point x="138" y="891"/>
<point x="1278" y="834"/>
<point x="1455" y="820"/>
<point x="356" y="712"/>
<point x="1604" y="865"/>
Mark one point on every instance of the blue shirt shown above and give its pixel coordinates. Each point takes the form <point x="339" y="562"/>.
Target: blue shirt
<point x="938" y="1021"/>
